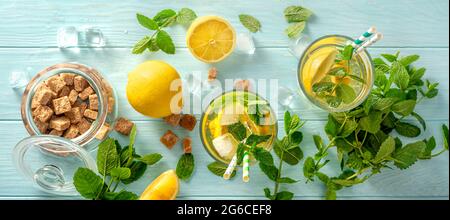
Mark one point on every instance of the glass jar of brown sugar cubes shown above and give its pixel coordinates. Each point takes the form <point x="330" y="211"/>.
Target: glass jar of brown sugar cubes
<point x="71" y="101"/>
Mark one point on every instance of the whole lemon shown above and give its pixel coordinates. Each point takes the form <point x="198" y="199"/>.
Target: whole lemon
<point x="154" y="89"/>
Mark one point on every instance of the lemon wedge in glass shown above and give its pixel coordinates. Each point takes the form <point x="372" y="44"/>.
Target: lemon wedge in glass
<point x="317" y="66"/>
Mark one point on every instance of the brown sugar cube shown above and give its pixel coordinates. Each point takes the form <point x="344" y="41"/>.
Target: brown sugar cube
<point x="169" y="139"/>
<point x="83" y="126"/>
<point x="43" y="113"/>
<point x="56" y="133"/>
<point x="102" y="132"/>
<point x="80" y="83"/>
<point x="83" y="107"/>
<point x="61" y="105"/>
<point x="111" y="102"/>
<point x="72" y="132"/>
<point x="65" y="91"/>
<point x="42" y="96"/>
<point x="90" y="114"/>
<point x="68" y="78"/>
<point x="93" y="102"/>
<point x="42" y="126"/>
<point x="55" y="83"/>
<point x="123" y="126"/>
<point x="60" y="123"/>
<point x="212" y="74"/>
<point x="85" y="93"/>
<point x="242" y="85"/>
<point x="73" y="95"/>
<point x="74" y="115"/>
<point x="188" y="122"/>
<point x="187" y="145"/>
<point x="173" y="119"/>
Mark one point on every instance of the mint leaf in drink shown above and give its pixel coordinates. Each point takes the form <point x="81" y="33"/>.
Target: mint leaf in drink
<point x="186" y="16"/>
<point x="219" y="169"/>
<point x="141" y="45"/>
<point x="346" y="93"/>
<point x="137" y="169"/>
<point x="185" y="166"/>
<point x="87" y="183"/>
<point x="165" y="17"/>
<point x="250" y="22"/>
<point x="407" y="156"/>
<point x="399" y="75"/>
<point x="386" y="149"/>
<point x="240" y="152"/>
<point x="333" y="101"/>
<point x="404" y="108"/>
<point x="346" y="53"/>
<point x="407" y="130"/>
<point x="356" y="78"/>
<point x="295" y="29"/>
<point x="254" y="139"/>
<point x="297" y="14"/>
<point x="323" y="87"/>
<point x="147" y="22"/>
<point x="164" y="42"/>
<point x="238" y="131"/>
<point x="120" y="173"/>
<point x="150" y="159"/>
<point x="408" y="60"/>
<point x="107" y="157"/>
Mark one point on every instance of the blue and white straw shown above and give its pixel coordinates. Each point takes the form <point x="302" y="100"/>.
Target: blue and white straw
<point x="363" y="37"/>
<point x="374" y="39"/>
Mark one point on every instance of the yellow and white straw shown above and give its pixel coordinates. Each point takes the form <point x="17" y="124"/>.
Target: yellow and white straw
<point x="246" y="167"/>
<point x="374" y="39"/>
<point x="230" y="168"/>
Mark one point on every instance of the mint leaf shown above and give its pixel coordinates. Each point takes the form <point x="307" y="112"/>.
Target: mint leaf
<point x="120" y="173"/>
<point x="296" y="138"/>
<point x="318" y="142"/>
<point x="346" y="53"/>
<point x="404" y="108"/>
<point x="408" y="60"/>
<point x="165" y="17"/>
<point x="420" y="120"/>
<point x="147" y="22"/>
<point x="407" y="130"/>
<point x="332" y="126"/>
<point x="384" y="104"/>
<point x="268" y="194"/>
<point x="107" y="157"/>
<point x="400" y="75"/>
<point x="291" y="156"/>
<point x="152" y="45"/>
<point x="137" y="169"/>
<point x="287" y="121"/>
<point x="407" y="156"/>
<point x="431" y="145"/>
<point x="219" y="169"/>
<point x="270" y="171"/>
<point x="284" y="195"/>
<point x="309" y="168"/>
<point x="238" y="131"/>
<point x="389" y="57"/>
<point x="262" y="156"/>
<point x="151" y="159"/>
<point x="141" y="45"/>
<point x="254" y="139"/>
<point x="346" y="93"/>
<point x="294" y="30"/>
<point x="250" y="22"/>
<point x="185" y="166"/>
<point x="164" y="42"/>
<point x="87" y="183"/>
<point x="445" y="133"/>
<point x="371" y="123"/>
<point x="125" y="195"/>
<point x="417" y="74"/>
<point x="386" y="149"/>
<point x="323" y="87"/>
<point x="349" y="127"/>
<point x="287" y="180"/>
<point x="297" y="14"/>
<point x="186" y="16"/>
<point x="333" y="101"/>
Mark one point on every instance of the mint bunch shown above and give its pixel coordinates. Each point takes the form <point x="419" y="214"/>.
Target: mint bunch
<point x="119" y="165"/>
<point x="363" y="136"/>
<point x="160" y="39"/>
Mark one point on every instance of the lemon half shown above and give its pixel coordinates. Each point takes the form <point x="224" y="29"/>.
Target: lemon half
<point x="211" y="39"/>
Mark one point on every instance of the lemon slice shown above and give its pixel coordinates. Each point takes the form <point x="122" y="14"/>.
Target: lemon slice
<point x="164" y="187"/>
<point x="211" y="39"/>
<point x="317" y="66"/>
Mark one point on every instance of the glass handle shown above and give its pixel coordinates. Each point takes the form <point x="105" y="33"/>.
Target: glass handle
<point x="49" y="177"/>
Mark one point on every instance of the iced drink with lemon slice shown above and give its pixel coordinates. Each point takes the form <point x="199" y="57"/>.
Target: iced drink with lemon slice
<point x="227" y="111"/>
<point x="330" y="82"/>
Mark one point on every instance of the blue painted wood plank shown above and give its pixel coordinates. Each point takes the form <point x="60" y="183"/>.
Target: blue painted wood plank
<point x="419" y="23"/>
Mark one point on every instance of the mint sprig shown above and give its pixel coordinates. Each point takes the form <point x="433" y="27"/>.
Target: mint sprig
<point x="160" y="39"/>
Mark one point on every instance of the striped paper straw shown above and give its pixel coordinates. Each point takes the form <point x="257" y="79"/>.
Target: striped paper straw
<point x="246" y="168"/>
<point x="230" y="168"/>
<point x="363" y="37"/>
<point x="374" y="39"/>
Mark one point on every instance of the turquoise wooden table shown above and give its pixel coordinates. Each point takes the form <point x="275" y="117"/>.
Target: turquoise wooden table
<point x="28" y="40"/>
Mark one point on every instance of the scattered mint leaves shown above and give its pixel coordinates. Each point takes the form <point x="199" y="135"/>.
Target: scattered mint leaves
<point x="151" y="159"/>
<point x="295" y="29"/>
<point x="185" y="166"/>
<point x="219" y="169"/>
<point x="297" y="17"/>
<point x="250" y="22"/>
<point x="160" y="39"/>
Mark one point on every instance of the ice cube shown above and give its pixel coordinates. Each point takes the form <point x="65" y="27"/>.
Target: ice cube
<point x="245" y="44"/>
<point x="285" y="96"/>
<point x="226" y="146"/>
<point x="93" y="37"/>
<point x="67" y="37"/>
<point x="18" y="79"/>
<point x="298" y="45"/>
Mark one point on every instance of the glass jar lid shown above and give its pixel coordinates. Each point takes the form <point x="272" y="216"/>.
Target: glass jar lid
<point x="50" y="162"/>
